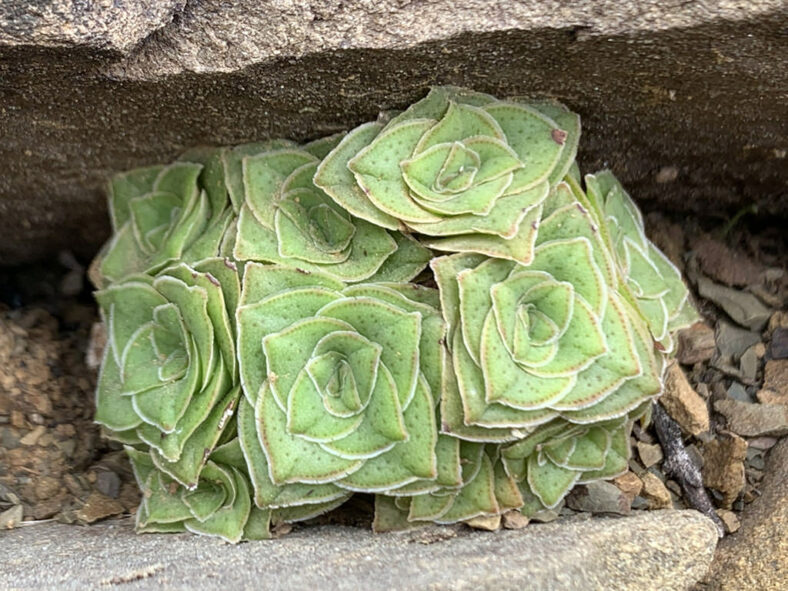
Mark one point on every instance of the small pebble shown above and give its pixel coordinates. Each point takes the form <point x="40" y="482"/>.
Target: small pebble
<point x="485" y="522"/>
<point x="650" y="454"/>
<point x="729" y="520"/>
<point x="655" y="492"/>
<point x="108" y="483"/>
<point x="514" y="520"/>
<point x="738" y="392"/>
<point x="779" y="345"/>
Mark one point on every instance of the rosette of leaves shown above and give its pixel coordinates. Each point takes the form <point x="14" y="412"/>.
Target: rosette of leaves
<point x="548" y="462"/>
<point x="163" y="214"/>
<point x="656" y="284"/>
<point x="340" y="382"/>
<point x="483" y="489"/>
<point x="168" y="378"/>
<point x="554" y="338"/>
<point x="284" y="218"/>
<point x="463" y="169"/>
<point x="219" y="504"/>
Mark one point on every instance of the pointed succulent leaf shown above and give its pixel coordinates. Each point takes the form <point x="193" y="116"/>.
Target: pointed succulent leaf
<point x="285" y="218"/>
<point x="345" y="379"/>
<point x="164" y="214"/>
<point x="169" y="366"/>
<point x="460" y="168"/>
<point x="656" y="284"/>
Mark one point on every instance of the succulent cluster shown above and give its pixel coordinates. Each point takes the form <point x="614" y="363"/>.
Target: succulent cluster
<point x="433" y="308"/>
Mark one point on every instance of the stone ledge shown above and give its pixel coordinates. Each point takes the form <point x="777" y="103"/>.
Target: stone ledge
<point x="104" y="25"/>
<point x="661" y="550"/>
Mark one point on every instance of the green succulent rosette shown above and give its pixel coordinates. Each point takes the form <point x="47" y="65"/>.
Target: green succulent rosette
<point x="342" y="382"/>
<point x="274" y="345"/>
<point x="554" y="338"/>
<point x="484" y="489"/>
<point x="555" y="457"/>
<point x="463" y="169"/>
<point x="654" y="281"/>
<point x="219" y="504"/>
<point x="284" y="218"/>
<point x="168" y="379"/>
<point x="164" y="214"/>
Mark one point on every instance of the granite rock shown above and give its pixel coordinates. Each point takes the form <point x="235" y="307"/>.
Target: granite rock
<point x="723" y="466"/>
<point x="757" y="556"/>
<point x="753" y="419"/>
<point x="93" y="88"/>
<point x="683" y="403"/>
<point x="662" y="550"/>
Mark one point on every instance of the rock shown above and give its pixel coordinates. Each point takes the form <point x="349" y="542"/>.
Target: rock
<point x="629" y="484"/>
<point x="778" y="348"/>
<point x="650" y="454"/>
<point x="762" y="443"/>
<point x="737" y="392"/>
<point x="744" y="308"/>
<point x="98" y="506"/>
<point x="725" y="265"/>
<point x="108" y="483"/>
<point x="10" y="518"/>
<point x="755" y="458"/>
<point x="723" y="466"/>
<point x="696" y="343"/>
<point x="730" y="520"/>
<point x="757" y="556"/>
<point x="749" y="363"/>
<point x="753" y="420"/>
<point x="547" y="515"/>
<point x="92" y="88"/>
<point x="33" y="436"/>
<point x="732" y="341"/>
<point x="47" y="487"/>
<point x="647" y="552"/>
<point x="599" y="497"/>
<point x="514" y="520"/>
<point x="666" y="174"/>
<point x="775" y="383"/>
<point x="695" y="456"/>
<point x="113" y="26"/>
<point x="485" y="522"/>
<point x="683" y="403"/>
<point x="655" y="492"/>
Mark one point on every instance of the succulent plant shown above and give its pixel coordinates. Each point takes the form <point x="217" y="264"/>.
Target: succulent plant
<point x="219" y="504"/>
<point x="655" y="282"/>
<point x="531" y="343"/>
<point x="164" y="214"/>
<point x="556" y="456"/>
<point x="169" y="373"/>
<point x="463" y="169"/>
<point x="275" y="344"/>
<point x="341" y="378"/>
<point x="284" y="218"/>
<point x="484" y="489"/>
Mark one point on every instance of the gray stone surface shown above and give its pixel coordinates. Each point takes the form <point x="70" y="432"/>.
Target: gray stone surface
<point x="756" y="557"/>
<point x="91" y="88"/>
<point x="109" y="25"/>
<point x="663" y="550"/>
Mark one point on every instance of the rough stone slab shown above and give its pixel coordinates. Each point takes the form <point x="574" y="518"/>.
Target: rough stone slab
<point x="694" y="87"/>
<point x="107" y="25"/>
<point x="663" y="550"/>
<point x="756" y="557"/>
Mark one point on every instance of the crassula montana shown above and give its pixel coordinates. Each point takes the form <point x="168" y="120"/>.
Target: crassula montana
<point x="434" y="308"/>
